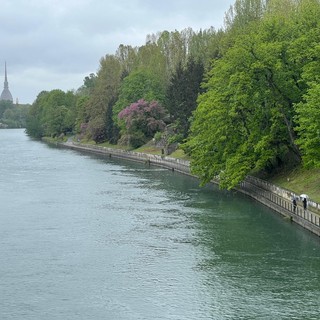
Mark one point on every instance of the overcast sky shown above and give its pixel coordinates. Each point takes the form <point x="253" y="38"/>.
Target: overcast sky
<point x="54" y="44"/>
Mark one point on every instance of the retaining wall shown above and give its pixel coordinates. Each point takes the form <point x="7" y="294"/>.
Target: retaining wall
<point x="266" y="193"/>
<point x="179" y="165"/>
<point x="282" y="204"/>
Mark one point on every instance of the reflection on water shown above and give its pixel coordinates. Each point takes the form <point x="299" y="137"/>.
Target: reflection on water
<point x="82" y="237"/>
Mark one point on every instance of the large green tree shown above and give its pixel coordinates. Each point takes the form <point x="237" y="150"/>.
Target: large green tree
<point x="52" y="113"/>
<point x="34" y="125"/>
<point x="245" y="120"/>
<point x="140" y="84"/>
<point x="99" y="108"/>
<point x="182" y="93"/>
<point x="306" y="51"/>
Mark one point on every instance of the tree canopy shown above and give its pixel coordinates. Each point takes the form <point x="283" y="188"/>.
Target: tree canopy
<point x="245" y="121"/>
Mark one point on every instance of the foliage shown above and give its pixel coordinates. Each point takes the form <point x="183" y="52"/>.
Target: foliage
<point x="98" y="108"/>
<point x="308" y="117"/>
<point x="245" y="119"/>
<point x="142" y="120"/>
<point x="243" y="12"/>
<point x="34" y="127"/>
<point x="157" y="136"/>
<point x="138" y="85"/>
<point x="132" y="73"/>
<point x="96" y="128"/>
<point x="174" y="46"/>
<point x="88" y="86"/>
<point x="15" y="116"/>
<point x="307" y="52"/>
<point x="5" y="105"/>
<point x="182" y="94"/>
<point x="51" y="114"/>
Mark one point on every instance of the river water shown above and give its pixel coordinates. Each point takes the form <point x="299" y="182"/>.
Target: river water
<point x="83" y="237"/>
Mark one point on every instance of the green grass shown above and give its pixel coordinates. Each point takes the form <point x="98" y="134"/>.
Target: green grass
<point x="114" y="146"/>
<point x="152" y="149"/>
<point x="105" y="144"/>
<point x="180" y="155"/>
<point x="149" y="149"/>
<point x="300" y="180"/>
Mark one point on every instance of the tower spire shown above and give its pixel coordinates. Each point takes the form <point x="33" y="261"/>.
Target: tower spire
<point x="6" y="84"/>
<point x="6" y="94"/>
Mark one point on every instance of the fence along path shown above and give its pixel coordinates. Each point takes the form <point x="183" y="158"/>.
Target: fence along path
<point x="268" y="194"/>
<point x="281" y="201"/>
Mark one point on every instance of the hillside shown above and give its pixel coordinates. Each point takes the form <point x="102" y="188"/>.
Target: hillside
<point x="300" y="181"/>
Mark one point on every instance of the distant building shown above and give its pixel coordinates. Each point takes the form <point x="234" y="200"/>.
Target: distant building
<point x="6" y="94"/>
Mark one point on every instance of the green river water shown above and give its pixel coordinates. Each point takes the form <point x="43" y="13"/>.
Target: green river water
<point x="83" y="237"/>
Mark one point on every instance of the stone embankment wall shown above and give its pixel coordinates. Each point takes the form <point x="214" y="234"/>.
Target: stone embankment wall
<point x="266" y="193"/>
<point x="280" y="200"/>
<point x="162" y="161"/>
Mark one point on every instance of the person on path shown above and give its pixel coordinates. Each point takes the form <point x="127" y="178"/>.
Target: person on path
<point x="294" y="202"/>
<point x="304" y="204"/>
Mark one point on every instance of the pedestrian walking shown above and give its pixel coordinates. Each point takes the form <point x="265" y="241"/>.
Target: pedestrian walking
<point x="304" y="204"/>
<point x="294" y="202"/>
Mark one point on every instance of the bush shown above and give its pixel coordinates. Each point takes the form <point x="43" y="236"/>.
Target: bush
<point x="135" y="140"/>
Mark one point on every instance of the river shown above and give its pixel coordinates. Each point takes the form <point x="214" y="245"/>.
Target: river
<point x="87" y="237"/>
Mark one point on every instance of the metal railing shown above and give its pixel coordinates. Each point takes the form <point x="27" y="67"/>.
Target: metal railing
<point x="281" y="198"/>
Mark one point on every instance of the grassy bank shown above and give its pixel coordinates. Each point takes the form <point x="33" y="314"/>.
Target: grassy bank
<point x="300" y="181"/>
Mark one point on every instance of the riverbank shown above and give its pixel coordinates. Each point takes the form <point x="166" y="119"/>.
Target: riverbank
<point x="278" y="199"/>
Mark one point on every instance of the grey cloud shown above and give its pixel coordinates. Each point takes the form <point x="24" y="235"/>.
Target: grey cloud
<point x="55" y="43"/>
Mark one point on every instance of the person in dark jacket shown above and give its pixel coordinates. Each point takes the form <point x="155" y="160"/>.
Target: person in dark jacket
<point x="294" y="202"/>
<point x="304" y="203"/>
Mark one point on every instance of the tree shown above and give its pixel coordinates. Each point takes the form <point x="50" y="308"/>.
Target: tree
<point x="127" y="56"/>
<point x="308" y="117"/>
<point x="206" y="46"/>
<point x="138" y="85"/>
<point x="183" y="92"/>
<point x="52" y="114"/>
<point x="245" y="120"/>
<point x="58" y="112"/>
<point x="243" y="12"/>
<point x="15" y="117"/>
<point x="34" y="126"/>
<point x="174" y="46"/>
<point x="142" y="120"/>
<point x="81" y="113"/>
<point x="5" y="105"/>
<point x="100" y="105"/>
<point x="306" y="54"/>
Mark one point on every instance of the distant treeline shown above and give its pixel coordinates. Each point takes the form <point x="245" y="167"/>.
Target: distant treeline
<point x="13" y="115"/>
<point x="240" y="99"/>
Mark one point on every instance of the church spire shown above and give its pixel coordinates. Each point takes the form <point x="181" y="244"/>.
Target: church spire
<point x="6" y="94"/>
<point x="6" y="84"/>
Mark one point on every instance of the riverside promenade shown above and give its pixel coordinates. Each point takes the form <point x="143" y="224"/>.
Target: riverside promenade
<point x="276" y="198"/>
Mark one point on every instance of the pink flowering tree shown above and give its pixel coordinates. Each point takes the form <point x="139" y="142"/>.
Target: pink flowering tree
<point x="141" y="120"/>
